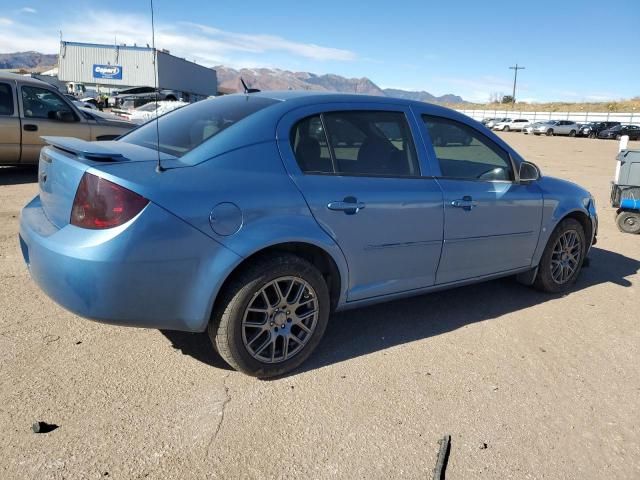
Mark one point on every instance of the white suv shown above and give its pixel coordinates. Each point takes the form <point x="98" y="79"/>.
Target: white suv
<point x="554" y="127"/>
<point x="517" y="124"/>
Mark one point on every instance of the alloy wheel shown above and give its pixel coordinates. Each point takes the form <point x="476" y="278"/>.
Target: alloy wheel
<point x="566" y="257"/>
<point x="280" y="319"/>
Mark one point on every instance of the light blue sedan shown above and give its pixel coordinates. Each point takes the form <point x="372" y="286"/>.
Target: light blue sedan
<point x="256" y="216"/>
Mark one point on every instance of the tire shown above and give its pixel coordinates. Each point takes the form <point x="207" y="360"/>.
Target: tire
<point x="592" y="135"/>
<point x="628" y="222"/>
<point x="549" y="279"/>
<point x="550" y="132"/>
<point x="506" y="128"/>
<point x="232" y="338"/>
<point x="572" y="133"/>
<point x="618" y="137"/>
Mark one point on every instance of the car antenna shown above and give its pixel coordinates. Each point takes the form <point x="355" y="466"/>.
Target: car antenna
<point x="246" y="88"/>
<point x="159" y="167"/>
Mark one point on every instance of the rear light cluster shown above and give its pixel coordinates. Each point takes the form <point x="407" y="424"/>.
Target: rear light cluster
<point x="101" y="204"/>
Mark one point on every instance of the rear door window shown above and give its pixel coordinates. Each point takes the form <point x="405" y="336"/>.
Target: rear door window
<point x="369" y="143"/>
<point x="376" y="143"/>
<point x="6" y="99"/>
<point x="465" y="153"/>
<point x="309" y="144"/>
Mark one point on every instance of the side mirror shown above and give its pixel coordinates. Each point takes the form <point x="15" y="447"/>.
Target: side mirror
<point x="529" y="172"/>
<point x="65" y="116"/>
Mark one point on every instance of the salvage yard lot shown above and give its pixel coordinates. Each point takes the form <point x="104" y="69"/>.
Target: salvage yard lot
<point x="528" y="385"/>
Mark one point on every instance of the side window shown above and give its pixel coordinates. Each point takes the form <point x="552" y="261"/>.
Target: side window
<point x="6" y="99"/>
<point x="309" y="144"/>
<point x="465" y="153"/>
<point x="42" y="103"/>
<point x="371" y="143"/>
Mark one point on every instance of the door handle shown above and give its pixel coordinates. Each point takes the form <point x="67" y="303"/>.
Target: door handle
<point x="350" y="205"/>
<point x="466" y="203"/>
<point x="29" y="127"/>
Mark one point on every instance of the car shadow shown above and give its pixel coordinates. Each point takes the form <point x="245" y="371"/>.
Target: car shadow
<point x="18" y="175"/>
<point x="362" y="331"/>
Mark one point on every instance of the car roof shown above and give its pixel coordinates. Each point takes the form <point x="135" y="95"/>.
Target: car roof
<point x="8" y="76"/>
<point x="313" y="96"/>
<point x="289" y="100"/>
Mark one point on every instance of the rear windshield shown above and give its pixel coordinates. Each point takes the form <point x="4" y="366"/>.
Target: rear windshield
<point x="184" y="129"/>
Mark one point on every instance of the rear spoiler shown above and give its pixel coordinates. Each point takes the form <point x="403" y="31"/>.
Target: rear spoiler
<point x="87" y="150"/>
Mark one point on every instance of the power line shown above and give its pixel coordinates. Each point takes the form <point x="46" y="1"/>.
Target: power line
<point x="515" y="80"/>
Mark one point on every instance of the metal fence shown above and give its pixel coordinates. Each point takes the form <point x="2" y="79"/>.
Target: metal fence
<point x="582" y="117"/>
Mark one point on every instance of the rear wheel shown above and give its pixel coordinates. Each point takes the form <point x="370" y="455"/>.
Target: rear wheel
<point x="550" y="132"/>
<point x="271" y="317"/>
<point x="618" y="137"/>
<point x="562" y="258"/>
<point x="628" y="222"/>
<point x="572" y="133"/>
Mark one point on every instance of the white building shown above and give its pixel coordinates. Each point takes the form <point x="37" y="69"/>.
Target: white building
<point x="122" y="66"/>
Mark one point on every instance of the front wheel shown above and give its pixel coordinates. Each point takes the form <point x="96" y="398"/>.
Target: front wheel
<point x="562" y="257"/>
<point x="550" y="132"/>
<point x="271" y="317"/>
<point x="506" y="128"/>
<point x="628" y="222"/>
<point x="618" y="137"/>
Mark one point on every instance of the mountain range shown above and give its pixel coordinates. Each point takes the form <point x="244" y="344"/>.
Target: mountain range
<point x="276" y="79"/>
<point x="261" y="78"/>
<point x="27" y="60"/>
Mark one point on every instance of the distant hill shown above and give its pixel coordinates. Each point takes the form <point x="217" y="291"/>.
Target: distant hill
<point x="276" y="79"/>
<point x="422" y="96"/>
<point x="27" y="60"/>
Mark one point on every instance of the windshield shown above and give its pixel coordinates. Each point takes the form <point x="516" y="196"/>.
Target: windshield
<point x="184" y="129"/>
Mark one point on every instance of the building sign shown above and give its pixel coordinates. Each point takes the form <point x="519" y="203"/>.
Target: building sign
<point x="111" y="72"/>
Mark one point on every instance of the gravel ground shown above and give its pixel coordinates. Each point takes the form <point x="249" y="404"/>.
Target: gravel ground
<point x="528" y="385"/>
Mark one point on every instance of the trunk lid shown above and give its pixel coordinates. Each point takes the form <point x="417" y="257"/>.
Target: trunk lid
<point x="65" y="160"/>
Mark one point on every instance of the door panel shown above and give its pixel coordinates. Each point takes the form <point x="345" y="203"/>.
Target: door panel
<point x="385" y="217"/>
<point x="393" y="243"/>
<point x="499" y="233"/>
<point x="491" y="222"/>
<point x="9" y="125"/>
<point x="39" y="108"/>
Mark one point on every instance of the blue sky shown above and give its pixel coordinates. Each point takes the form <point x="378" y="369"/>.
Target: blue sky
<point x="572" y="50"/>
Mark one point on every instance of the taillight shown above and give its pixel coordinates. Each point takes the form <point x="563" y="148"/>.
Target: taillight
<point x="100" y="204"/>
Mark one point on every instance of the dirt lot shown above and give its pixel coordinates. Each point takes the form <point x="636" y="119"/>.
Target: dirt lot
<point x="528" y="385"/>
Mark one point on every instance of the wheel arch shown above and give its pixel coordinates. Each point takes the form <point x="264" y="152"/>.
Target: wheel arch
<point x="584" y="220"/>
<point x="552" y="223"/>
<point x="318" y="256"/>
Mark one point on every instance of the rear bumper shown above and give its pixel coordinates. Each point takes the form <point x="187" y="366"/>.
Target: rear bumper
<point x="155" y="271"/>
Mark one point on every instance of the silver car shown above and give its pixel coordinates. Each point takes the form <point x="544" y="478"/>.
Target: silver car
<point x="554" y="127"/>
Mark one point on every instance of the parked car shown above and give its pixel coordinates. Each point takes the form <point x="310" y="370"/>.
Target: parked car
<point x="491" y="123"/>
<point x="30" y="109"/>
<point x="530" y="127"/>
<point x="255" y="226"/>
<point x="516" y="124"/>
<point x="593" y="129"/>
<point x="633" y="131"/>
<point x="150" y="110"/>
<point x="554" y="127"/>
<point x="138" y="96"/>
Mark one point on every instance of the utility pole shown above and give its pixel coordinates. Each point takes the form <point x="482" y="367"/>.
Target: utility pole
<point x="515" y="80"/>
